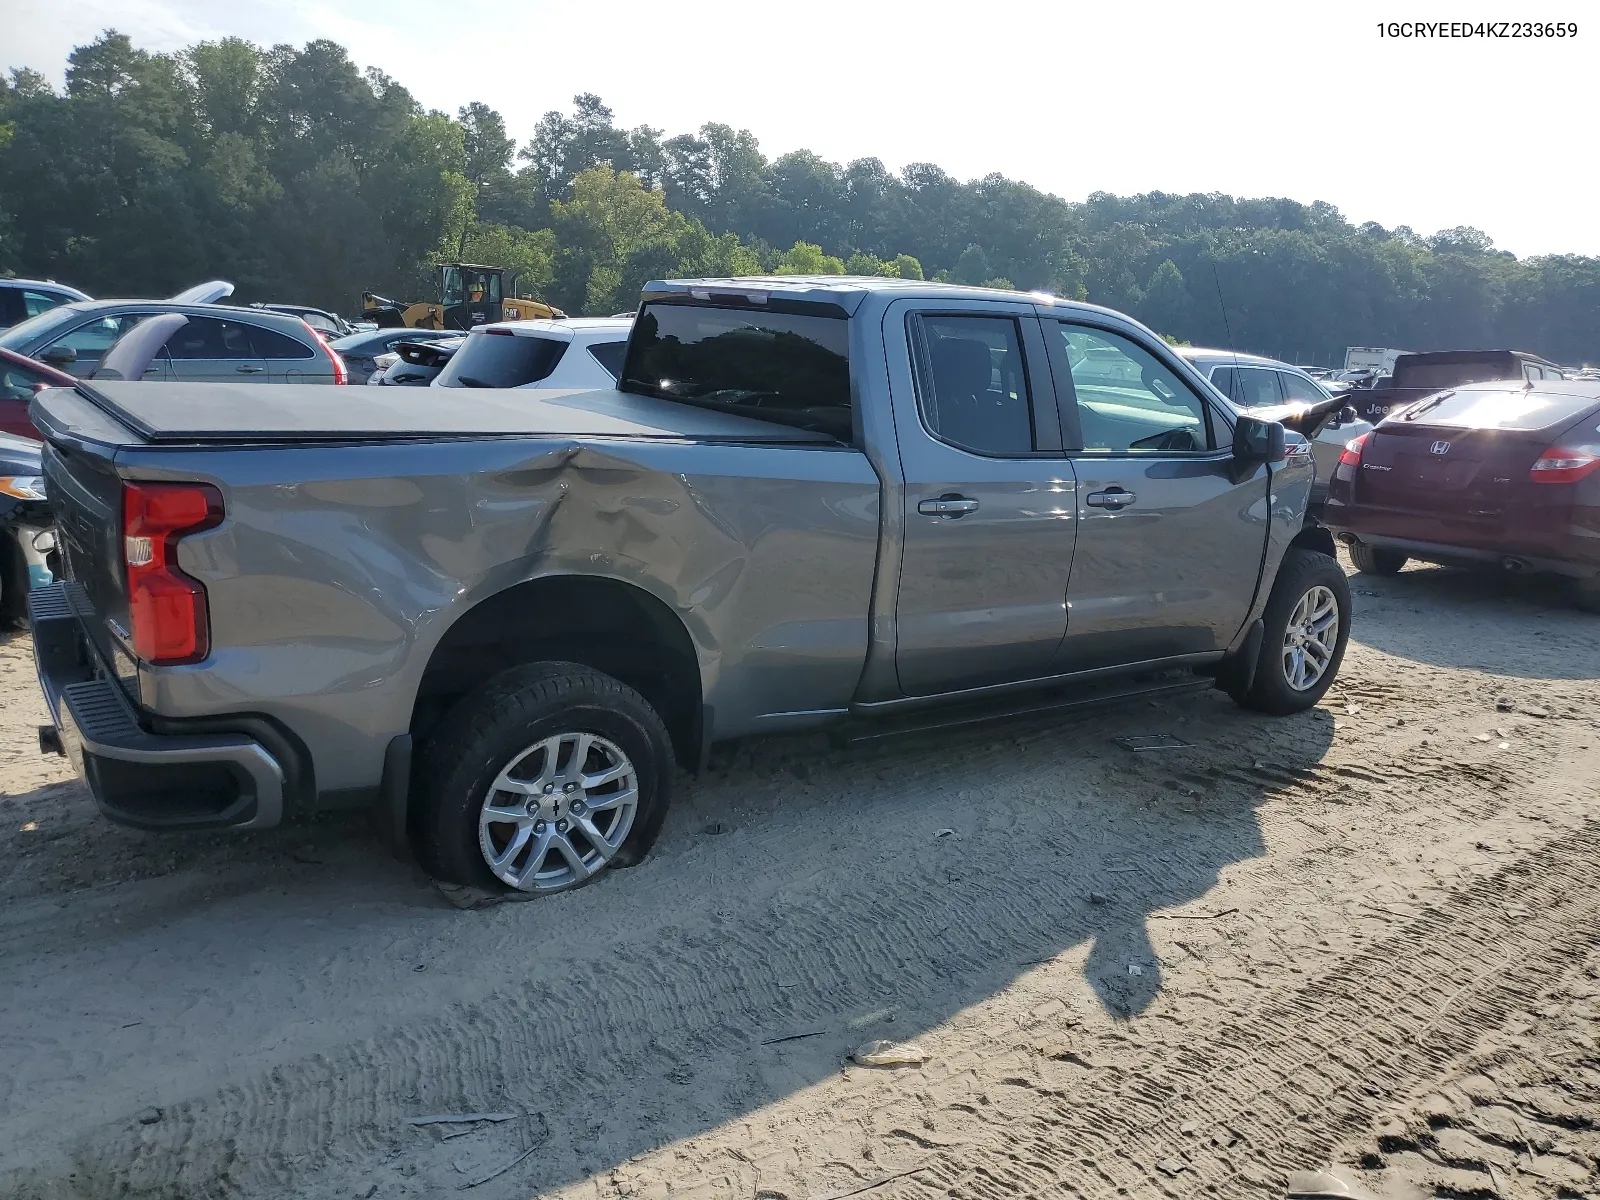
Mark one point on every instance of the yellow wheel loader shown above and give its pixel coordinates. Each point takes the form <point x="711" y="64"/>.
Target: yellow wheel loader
<point x="469" y="295"/>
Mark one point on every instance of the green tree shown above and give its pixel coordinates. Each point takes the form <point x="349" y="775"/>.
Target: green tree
<point x="301" y="177"/>
<point x="972" y="267"/>
<point x="906" y="267"/>
<point x="1166" y="299"/>
<point x="807" y="258"/>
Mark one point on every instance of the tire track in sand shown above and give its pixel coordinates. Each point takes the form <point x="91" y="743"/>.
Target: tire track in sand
<point x="1279" y="1091"/>
<point x="643" y="1017"/>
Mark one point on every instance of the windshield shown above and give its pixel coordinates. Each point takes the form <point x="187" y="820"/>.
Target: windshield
<point x="25" y="333"/>
<point x="793" y="369"/>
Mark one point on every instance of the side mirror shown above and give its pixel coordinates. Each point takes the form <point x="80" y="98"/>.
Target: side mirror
<point x="1259" y="441"/>
<point x="59" y="356"/>
<point x="1348" y="414"/>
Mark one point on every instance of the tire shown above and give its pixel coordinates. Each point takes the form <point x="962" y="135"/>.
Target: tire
<point x="516" y="741"/>
<point x="13" y="582"/>
<point x="1588" y="594"/>
<point x="1371" y="560"/>
<point x="1305" y="576"/>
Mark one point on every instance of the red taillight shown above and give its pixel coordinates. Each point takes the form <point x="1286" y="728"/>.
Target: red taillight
<point x="340" y="375"/>
<point x="1350" y="456"/>
<point x="1565" y="464"/>
<point x="166" y="608"/>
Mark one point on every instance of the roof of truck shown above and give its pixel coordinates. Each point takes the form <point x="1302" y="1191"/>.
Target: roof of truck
<point x="848" y="291"/>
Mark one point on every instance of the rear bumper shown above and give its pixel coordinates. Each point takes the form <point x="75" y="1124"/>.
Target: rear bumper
<point x="1440" y="553"/>
<point x="149" y="780"/>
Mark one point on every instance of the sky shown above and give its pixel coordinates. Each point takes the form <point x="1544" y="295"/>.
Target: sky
<point x="1306" y="101"/>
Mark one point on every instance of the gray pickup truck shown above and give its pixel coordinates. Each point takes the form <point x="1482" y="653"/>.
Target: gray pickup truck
<point x="500" y="618"/>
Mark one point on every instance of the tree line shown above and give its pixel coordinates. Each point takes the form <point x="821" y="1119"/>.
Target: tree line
<point x="302" y="178"/>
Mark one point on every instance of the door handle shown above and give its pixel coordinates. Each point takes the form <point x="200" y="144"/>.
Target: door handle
<point x="1112" y="498"/>
<point x="948" y="506"/>
<point x="247" y="369"/>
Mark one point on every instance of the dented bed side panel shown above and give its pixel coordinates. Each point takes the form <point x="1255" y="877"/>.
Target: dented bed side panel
<point x="336" y="573"/>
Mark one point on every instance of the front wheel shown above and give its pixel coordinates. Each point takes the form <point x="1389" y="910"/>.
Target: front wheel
<point x="1307" y="621"/>
<point x="542" y="779"/>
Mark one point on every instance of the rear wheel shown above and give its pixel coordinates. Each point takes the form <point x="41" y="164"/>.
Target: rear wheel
<point x="13" y="582"/>
<point x="542" y="779"/>
<point x="1588" y="594"/>
<point x="1307" y="622"/>
<point x="1372" y="560"/>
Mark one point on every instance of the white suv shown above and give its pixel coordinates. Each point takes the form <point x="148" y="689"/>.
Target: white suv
<point x="575" y="352"/>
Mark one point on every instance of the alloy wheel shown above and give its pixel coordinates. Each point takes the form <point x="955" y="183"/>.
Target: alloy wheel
<point x="558" y="812"/>
<point x="1311" y="638"/>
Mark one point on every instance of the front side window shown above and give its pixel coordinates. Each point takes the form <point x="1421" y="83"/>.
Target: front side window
<point x="208" y="338"/>
<point x="39" y="302"/>
<point x="452" y="286"/>
<point x="18" y="382"/>
<point x="88" y="343"/>
<point x="1128" y="400"/>
<point x="788" y="368"/>
<point x="973" y="384"/>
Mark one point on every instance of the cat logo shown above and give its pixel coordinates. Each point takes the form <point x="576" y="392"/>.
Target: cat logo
<point x="1439" y="448"/>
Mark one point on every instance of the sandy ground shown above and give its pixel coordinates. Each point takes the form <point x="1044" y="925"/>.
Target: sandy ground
<point x="1368" y="934"/>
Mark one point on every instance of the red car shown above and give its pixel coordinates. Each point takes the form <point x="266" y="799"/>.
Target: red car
<point x="1502" y="473"/>
<point x="20" y="378"/>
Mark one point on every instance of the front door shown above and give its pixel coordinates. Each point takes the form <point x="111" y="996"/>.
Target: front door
<point x="1171" y="533"/>
<point x="80" y="350"/>
<point x="989" y="504"/>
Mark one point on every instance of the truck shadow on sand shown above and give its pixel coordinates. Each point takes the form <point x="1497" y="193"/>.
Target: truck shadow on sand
<point x="802" y="899"/>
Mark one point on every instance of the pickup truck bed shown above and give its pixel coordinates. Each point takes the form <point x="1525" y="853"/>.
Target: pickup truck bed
<point x="248" y="413"/>
<point x="498" y="616"/>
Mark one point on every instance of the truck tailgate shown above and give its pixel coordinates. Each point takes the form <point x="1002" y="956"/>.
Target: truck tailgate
<point x="86" y="498"/>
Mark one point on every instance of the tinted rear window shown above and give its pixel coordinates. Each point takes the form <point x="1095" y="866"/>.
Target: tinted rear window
<point x="609" y="355"/>
<point x="269" y="343"/>
<point x="790" y="368"/>
<point x="1452" y="374"/>
<point x="1518" y="410"/>
<point x="502" y="360"/>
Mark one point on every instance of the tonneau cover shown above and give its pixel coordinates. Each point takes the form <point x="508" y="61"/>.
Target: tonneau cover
<point x="306" y="412"/>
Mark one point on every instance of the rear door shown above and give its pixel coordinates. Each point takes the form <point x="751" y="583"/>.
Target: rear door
<point x="214" y="350"/>
<point x="989" y="509"/>
<point x="1170" y="533"/>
